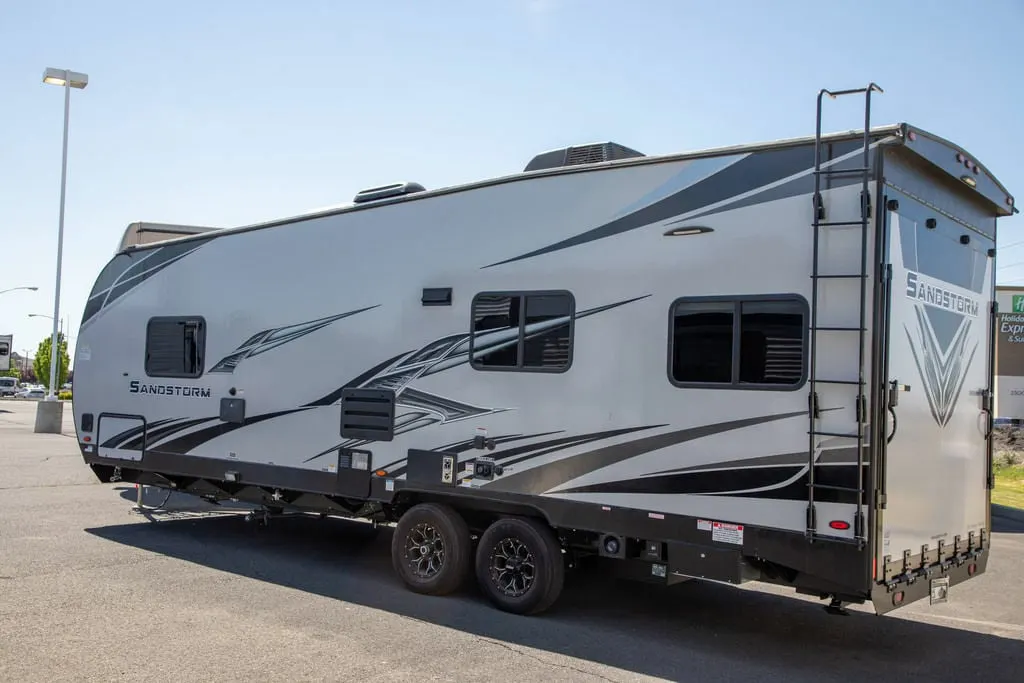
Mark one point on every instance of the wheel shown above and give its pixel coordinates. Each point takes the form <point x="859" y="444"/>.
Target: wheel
<point x="519" y="565"/>
<point x="431" y="549"/>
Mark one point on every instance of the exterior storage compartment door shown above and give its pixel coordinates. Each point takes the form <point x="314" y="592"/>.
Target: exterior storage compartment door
<point x="122" y="437"/>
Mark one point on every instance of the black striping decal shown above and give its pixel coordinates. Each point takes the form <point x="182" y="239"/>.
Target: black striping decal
<point x="122" y="437"/>
<point x="543" y="478"/>
<point x="335" y="395"/>
<point x="748" y="174"/>
<point x="826" y="456"/>
<point x="266" y="340"/>
<point x="184" y="444"/>
<point x="155" y="435"/>
<point x="508" y="459"/>
<point x="784" y="482"/>
<point x="128" y="270"/>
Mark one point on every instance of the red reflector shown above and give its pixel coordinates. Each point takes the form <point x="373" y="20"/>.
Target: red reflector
<point x="839" y="524"/>
<point x="912" y="135"/>
<point x="971" y="568"/>
<point x="898" y="597"/>
<point x="87" y="438"/>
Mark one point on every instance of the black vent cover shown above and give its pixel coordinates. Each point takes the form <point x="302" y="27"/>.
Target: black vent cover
<point x="581" y="154"/>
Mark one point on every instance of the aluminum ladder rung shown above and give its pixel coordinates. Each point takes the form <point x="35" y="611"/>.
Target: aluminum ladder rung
<point x="851" y="382"/>
<point x="841" y="171"/>
<point x="840" y="435"/>
<point x="837" y="224"/>
<point x="830" y="487"/>
<point x="838" y="329"/>
<point x="840" y="276"/>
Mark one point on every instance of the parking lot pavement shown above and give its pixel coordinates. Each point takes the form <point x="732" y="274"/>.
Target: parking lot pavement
<point x="90" y="590"/>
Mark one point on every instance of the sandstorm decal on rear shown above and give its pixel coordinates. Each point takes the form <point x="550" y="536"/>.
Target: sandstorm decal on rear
<point x="944" y="280"/>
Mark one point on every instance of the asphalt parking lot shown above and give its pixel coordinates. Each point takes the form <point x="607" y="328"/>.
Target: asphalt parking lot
<point x="90" y="590"/>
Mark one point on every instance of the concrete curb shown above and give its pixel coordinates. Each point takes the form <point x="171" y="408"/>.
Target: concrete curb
<point x="1012" y="514"/>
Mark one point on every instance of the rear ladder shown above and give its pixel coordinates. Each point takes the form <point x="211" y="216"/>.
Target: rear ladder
<point x="826" y="332"/>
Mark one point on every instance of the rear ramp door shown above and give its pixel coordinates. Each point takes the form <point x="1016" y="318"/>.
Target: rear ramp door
<point x="936" y="466"/>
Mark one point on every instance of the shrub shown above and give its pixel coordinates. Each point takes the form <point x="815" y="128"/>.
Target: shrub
<point x="64" y="395"/>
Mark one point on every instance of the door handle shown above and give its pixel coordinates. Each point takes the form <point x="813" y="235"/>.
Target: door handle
<point x="894" y="393"/>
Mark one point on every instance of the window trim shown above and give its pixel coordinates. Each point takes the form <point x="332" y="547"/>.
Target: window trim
<point x="523" y="294"/>
<point x="201" y="343"/>
<point x="737" y="300"/>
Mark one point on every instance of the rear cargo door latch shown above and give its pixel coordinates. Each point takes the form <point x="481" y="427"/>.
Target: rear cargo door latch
<point x="893" y="400"/>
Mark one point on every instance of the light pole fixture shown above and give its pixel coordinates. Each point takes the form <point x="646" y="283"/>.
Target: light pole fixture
<point x="68" y="79"/>
<point x="15" y="289"/>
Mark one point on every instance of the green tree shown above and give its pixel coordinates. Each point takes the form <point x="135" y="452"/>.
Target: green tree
<point x="42" y="361"/>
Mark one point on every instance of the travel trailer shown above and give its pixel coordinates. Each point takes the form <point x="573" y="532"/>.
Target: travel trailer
<point x="769" y="362"/>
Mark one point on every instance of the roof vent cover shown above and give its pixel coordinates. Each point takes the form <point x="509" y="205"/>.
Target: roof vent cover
<point x="387" y="191"/>
<point x="581" y="154"/>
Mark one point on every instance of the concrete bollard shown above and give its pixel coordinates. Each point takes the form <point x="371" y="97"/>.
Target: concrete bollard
<point x="49" y="417"/>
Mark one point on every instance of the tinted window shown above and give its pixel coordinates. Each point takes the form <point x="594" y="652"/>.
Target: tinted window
<point x="175" y="347"/>
<point x="771" y="342"/>
<point x="496" y="330"/>
<point x="522" y="331"/>
<point x="546" y="343"/>
<point x="738" y="342"/>
<point x="702" y="342"/>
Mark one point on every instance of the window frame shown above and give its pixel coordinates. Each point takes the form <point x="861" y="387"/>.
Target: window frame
<point x="523" y="294"/>
<point x="200" y="342"/>
<point x="738" y="300"/>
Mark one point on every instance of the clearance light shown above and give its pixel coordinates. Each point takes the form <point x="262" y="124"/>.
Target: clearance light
<point x="682" y="232"/>
<point x="381" y="473"/>
<point x="839" y="524"/>
<point x="969" y="180"/>
<point x="911" y="135"/>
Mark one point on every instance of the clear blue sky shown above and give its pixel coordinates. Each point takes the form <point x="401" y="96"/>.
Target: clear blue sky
<point x="226" y="113"/>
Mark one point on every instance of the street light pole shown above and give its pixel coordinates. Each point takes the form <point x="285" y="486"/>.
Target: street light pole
<point x="68" y="79"/>
<point x="15" y="289"/>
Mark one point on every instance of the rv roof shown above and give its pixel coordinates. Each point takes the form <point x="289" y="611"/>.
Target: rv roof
<point x="897" y="134"/>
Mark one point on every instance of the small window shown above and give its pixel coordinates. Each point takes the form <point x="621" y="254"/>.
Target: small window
<point x="524" y="331"/>
<point x="175" y="347"/>
<point x="756" y="342"/>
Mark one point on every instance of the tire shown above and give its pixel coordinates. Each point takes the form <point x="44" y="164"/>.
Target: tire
<point x="431" y="549"/>
<point x="536" y="579"/>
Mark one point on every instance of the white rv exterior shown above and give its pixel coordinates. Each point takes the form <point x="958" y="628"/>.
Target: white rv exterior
<point x="614" y="358"/>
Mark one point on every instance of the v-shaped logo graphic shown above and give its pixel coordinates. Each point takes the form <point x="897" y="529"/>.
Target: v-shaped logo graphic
<point x="943" y="371"/>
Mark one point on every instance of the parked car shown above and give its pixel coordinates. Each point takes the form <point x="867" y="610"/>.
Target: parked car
<point x="8" y="386"/>
<point x="32" y="393"/>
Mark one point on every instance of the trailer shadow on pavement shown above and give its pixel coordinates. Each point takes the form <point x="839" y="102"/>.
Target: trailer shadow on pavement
<point x="651" y="630"/>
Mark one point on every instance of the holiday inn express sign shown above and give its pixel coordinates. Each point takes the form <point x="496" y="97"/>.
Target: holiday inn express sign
<point x="1010" y="353"/>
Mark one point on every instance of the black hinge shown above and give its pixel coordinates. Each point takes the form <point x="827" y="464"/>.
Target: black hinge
<point x="986" y="400"/>
<point x="812" y="405"/>
<point x="865" y="205"/>
<point x="862" y="409"/>
<point x="880" y="501"/>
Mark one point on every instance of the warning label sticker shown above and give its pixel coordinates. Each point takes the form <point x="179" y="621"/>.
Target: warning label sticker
<point x="704" y="524"/>
<point x="727" y="533"/>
